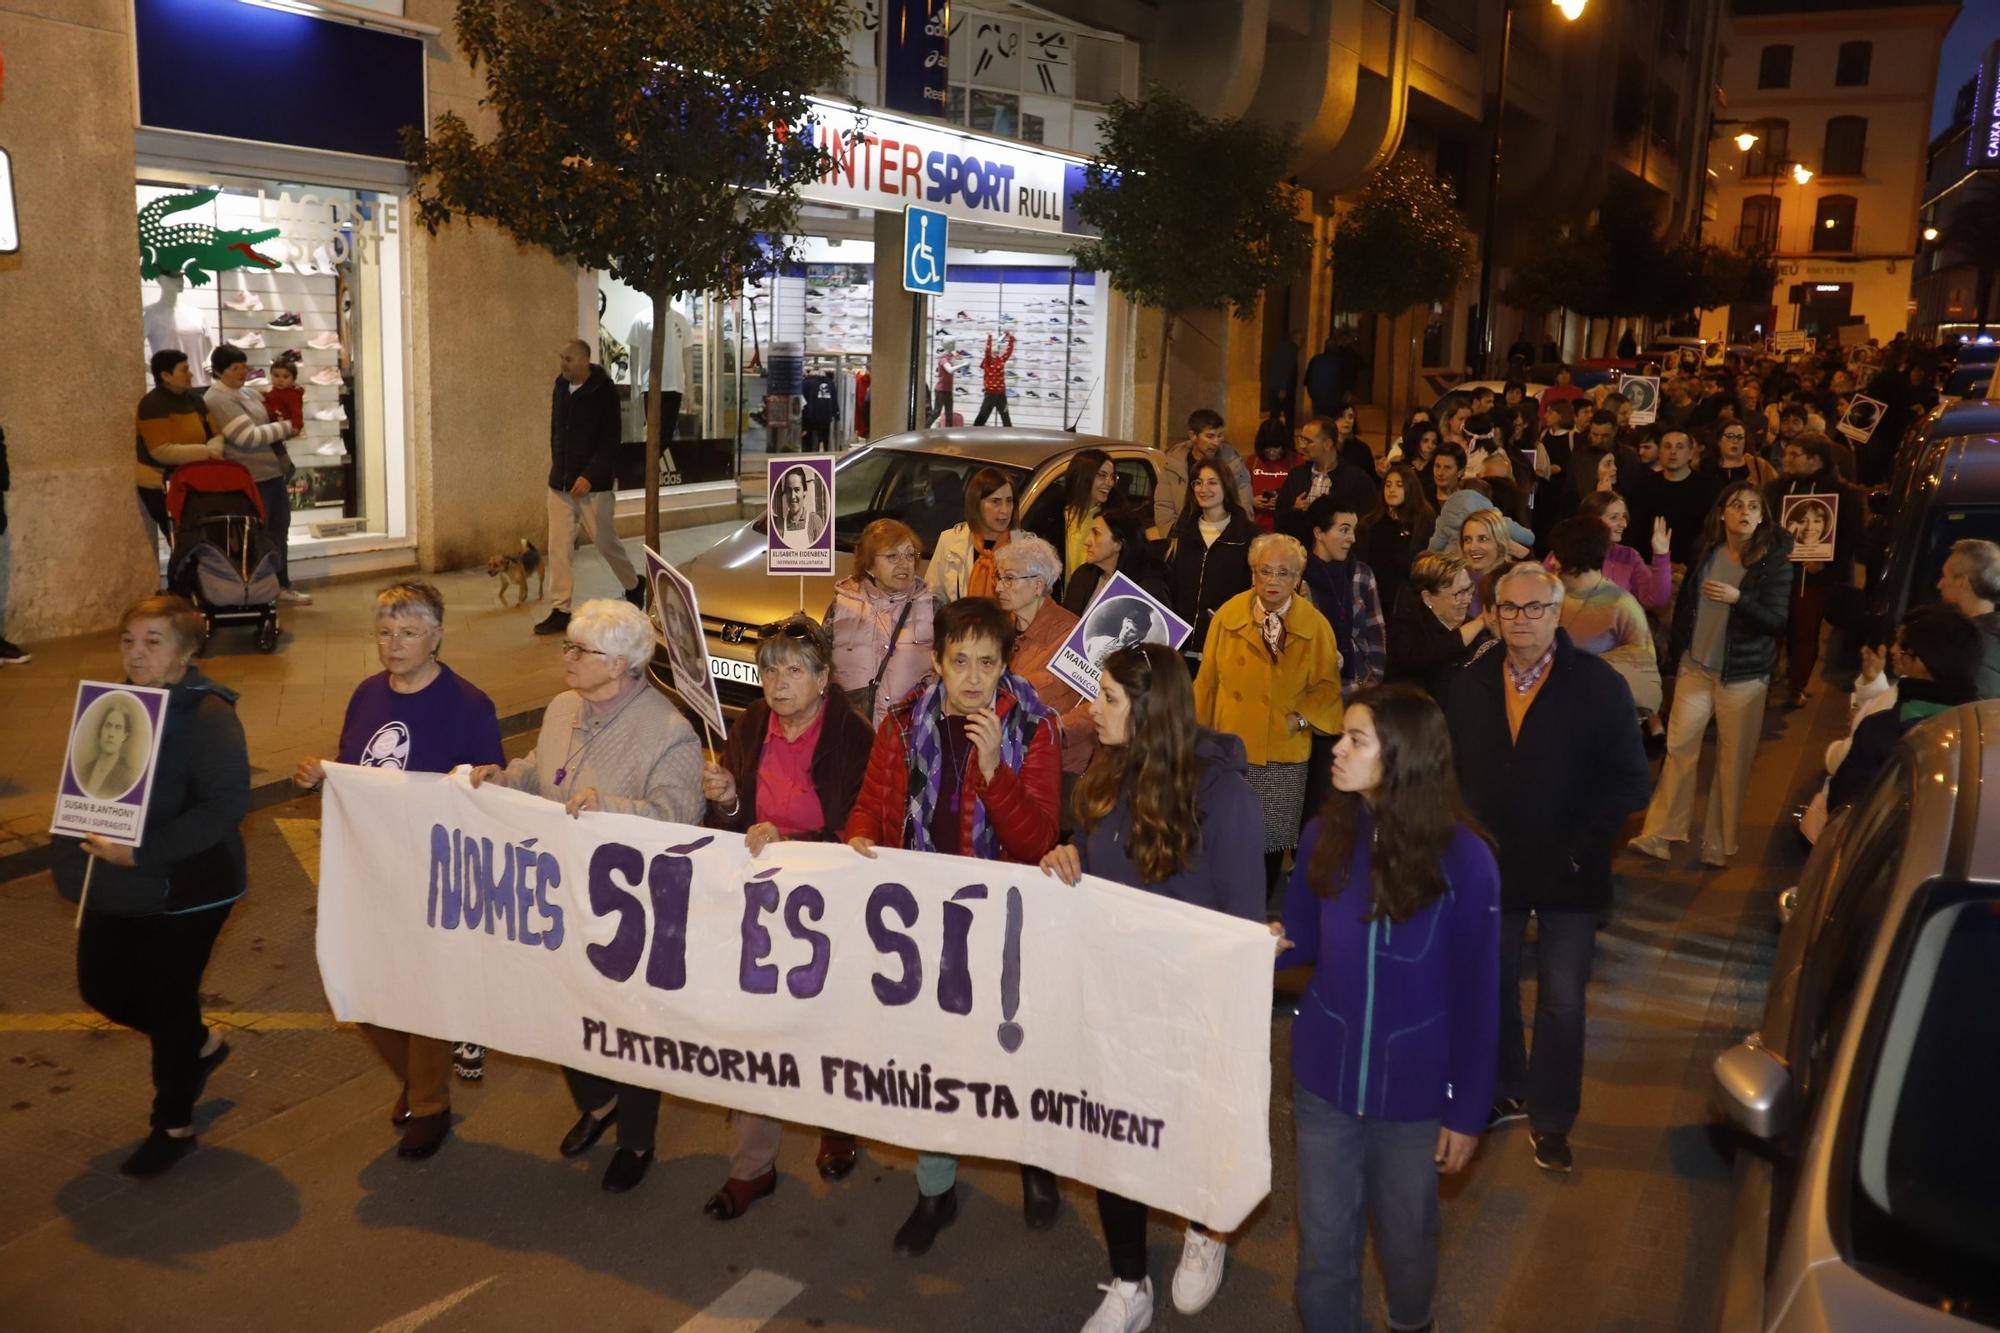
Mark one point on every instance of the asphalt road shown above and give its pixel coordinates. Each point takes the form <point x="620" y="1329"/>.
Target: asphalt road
<point x="295" y="1212"/>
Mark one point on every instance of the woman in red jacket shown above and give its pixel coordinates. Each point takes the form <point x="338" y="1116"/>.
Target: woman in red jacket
<point x="970" y="765"/>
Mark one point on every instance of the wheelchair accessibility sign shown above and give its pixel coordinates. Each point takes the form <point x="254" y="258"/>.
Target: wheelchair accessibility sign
<point x="923" y="250"/>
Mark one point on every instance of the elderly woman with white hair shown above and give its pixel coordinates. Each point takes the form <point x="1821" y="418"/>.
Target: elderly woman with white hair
<point x="420" y="716"/>
<point x="611" y="742"/>
<point x="1270" y="673"/>
<point x="1028" y="570"/>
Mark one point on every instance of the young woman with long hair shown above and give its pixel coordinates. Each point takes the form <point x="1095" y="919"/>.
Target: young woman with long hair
<point x="1730" y="614"/>
<point x="1394" y="535"/>
<point x="1163" y="807"/>
<point x="1394" y="902"/>
<point x="1208" y="553"/>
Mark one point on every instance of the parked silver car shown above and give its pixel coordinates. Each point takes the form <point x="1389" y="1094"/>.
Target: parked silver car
<point x="918" y="477"/>
<point x="1871" y="1199"/>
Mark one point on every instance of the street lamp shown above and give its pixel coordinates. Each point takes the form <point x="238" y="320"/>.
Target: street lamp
<point x="1745" y="141"/>
<point x="1801" y="173"/>
<point x="1930" y="233"/>
<point x="1571" y="10"/>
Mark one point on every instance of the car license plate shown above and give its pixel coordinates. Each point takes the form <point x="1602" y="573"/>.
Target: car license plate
<point x="728" y="668"/>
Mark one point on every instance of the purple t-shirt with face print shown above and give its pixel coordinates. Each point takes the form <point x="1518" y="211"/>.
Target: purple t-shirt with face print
<point x="447" y="723"/>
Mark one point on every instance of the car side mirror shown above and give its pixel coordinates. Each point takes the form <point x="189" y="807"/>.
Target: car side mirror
<point x="1878" y="502"/>
<point x="1754" y="1088"/>
<point x="1788" y="905"/>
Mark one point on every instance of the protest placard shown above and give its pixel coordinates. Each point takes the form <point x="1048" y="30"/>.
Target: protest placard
<point x="677" y="621"/>
<point x="1811" y="519"/>
<point x="1120" y="615"/>
<point x="798" y="526"/>
<point x="107" y="776"/>
<point x="1863" y="415"/>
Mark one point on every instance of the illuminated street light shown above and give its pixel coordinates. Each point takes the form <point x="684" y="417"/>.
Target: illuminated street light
<point x="1801" y="172"/>
<point x="1571" y="9"/>
<point x="1745" y="141"/>
<point x="1930" y="233"/>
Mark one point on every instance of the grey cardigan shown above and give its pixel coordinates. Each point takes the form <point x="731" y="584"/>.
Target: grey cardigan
<point x="646" y="760"/>
<point x="248" y="433"/>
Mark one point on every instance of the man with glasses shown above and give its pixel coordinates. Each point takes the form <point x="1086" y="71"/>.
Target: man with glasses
<point x="1550" y="764"/>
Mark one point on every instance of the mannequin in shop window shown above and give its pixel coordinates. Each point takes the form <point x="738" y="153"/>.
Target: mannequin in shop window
<point x="993" y="372"/>
<point x="941" y="389"/>
<point x="173" y="326"/>
<point x="676" y="373"/>
<point x="821" y="412"/>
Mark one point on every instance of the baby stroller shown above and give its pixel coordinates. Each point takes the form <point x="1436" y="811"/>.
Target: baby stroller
<point x="223" y="560"/>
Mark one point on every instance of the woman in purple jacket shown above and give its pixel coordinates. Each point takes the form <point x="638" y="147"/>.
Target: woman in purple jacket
<point x="1164" y="807"/>
<point x="1395" y="898"/>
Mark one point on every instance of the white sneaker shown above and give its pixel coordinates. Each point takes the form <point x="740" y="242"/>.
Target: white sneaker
<point x="332" y="449"/>
<point x="327" y="376"/>
<point x="245" y="299"/>
<point x="245" y="340"/>
<point x="293" y="597"/>
<point x="324" y="341"/>
<point x="1127" y="1308"/>
<point x="334" y="413"/>
<point x="1199" y="1272"/>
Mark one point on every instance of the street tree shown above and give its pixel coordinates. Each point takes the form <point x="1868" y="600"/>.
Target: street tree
<point x="1403" y="244"/>
<point x="1192" y="213"/>
<point x="661" y="141"/>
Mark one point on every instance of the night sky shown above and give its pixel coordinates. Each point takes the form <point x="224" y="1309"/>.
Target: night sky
<point x="1977" y="28"/>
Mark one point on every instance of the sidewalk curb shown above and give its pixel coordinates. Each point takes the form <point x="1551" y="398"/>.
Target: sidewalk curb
<point x="273" y="789"/>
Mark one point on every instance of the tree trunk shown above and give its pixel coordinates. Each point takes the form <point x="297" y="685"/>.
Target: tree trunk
<point x="656" y="357"/>
<point x="1160" y="381"/>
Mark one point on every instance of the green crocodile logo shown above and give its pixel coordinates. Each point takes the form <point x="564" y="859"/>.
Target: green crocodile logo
<point x="194" y="250"/>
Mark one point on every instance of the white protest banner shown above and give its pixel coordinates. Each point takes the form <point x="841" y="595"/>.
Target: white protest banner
<point x="798" y="521"/>
<point x="1790" y="340"/>
<point x="974" y="1007"/>
<point x="1643" y="392"/>
<point x="107" y="777"/>
<point x="1811" y="519"/>
<point x="677" y="621"/>
<point x="1863" y="415"/>
<point x="1120" y="615"/>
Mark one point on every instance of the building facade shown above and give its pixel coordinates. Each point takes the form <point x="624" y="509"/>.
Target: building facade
<point x="1961" y="187"/>
<point x="1838" y="99"/>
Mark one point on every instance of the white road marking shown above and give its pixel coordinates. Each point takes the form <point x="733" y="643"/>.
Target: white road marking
<point x="747" y="1306"/>
<point x="416" y="1319"/>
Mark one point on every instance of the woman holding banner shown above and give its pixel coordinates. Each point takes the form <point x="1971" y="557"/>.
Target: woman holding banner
<point x="967" y="766"/>
<point x="153" y="910"/>
<point x="1395" y="904"/>
<point x="611" y="742"/>
<point x="1163" y="807"/>
<point x="420" y="716"/>
<point x="880" y="620"/>
<point x="791" y="771"/>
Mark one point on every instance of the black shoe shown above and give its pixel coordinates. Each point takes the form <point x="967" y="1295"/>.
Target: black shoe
<point x="554" y="623"/>
<point x="628" y="1168"/>
<point x="586" y="1131"/>
<point x="207" y="1065"/>
<point x="160" y="1151"/>
<point x="1552" y="1152"/>
<point x="1041" y="1200"/>
<point x="636" y="594"/>
<point x="12" y="655"/>
<point x="933" y="1213"/>
<point x="1505" y="1111"/>
<point x="423" y="1135"/>
<point x="837" y="1154"/>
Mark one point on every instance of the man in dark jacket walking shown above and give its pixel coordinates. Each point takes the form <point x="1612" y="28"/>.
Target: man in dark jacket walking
<point x="583" y="471"/>
<point x="1550" y="763"/>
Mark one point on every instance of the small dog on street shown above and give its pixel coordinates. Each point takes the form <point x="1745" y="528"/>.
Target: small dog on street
<point x="517" y="569"/>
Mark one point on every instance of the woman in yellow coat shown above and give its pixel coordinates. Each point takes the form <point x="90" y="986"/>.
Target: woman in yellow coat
<point x="1270" y="673"/>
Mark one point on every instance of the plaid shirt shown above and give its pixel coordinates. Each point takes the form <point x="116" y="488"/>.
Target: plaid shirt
<point x="1523" y="681"/>
<point x="1371" y="644"/>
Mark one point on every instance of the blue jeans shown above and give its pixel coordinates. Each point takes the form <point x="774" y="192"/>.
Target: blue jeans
<point x="1552" y="1081"/>
<point x="277" y="500"/>
<point x="1353" y="1170"/>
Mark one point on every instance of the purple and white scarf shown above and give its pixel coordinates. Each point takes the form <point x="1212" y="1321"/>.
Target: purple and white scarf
<point x="924" y="745"/>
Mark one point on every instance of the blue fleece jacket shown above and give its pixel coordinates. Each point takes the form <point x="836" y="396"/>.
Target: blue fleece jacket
<point x="1220" y="877"/>
<point x="1401" y="1020"/>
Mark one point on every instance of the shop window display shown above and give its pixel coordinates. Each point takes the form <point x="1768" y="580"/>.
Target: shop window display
<point x="299" y="274"/>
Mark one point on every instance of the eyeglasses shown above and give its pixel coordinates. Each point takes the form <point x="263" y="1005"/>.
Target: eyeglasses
<point x="1267" y="572"/>
<point x="1519" y="610"/>
<point x="1733" y="435"/>
<point x="573" y="649"/>
<point x="404" y="635"/>
<point x="1015" y="578"/>
<point x="899" y="557"/>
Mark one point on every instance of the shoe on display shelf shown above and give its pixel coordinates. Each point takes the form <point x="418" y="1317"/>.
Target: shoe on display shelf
<point x="245" y="300"/>
<point x="333" y="448"/>
<point x="288" y="320"/>
<point x="246" y="340"/>
<point x="334" y="413"/>
<point x="327" y="341"/>
<point x="326" y="375"/>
